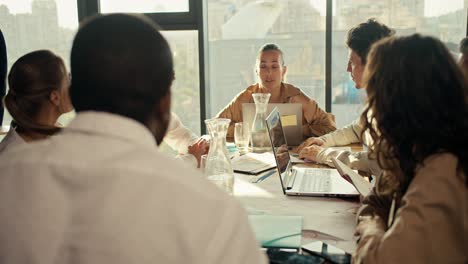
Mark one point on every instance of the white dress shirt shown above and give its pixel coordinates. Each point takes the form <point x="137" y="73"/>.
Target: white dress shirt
<point x="10" y="140"/>
<point x="179" y="138"/>
<point x="101" y="192"/>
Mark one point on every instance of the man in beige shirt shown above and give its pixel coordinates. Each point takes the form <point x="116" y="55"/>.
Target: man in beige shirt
<point x="100" y="191"/>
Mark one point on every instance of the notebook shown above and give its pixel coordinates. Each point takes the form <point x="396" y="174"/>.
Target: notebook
<point x="277" y="231"/>
<point x="362" y="186"/>
<point x="253" y="163"/>
<point x="299" y="180"/>
<point x="291" y="115"/>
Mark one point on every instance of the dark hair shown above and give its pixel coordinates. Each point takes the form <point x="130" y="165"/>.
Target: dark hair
<point x="3" y="71"/>
<point x="417" y="105"/>
<point x="31" y="80"/>
<point x="464" y="45"/>
<point x="360" y="38"/>
<point x="271" y="47"/>
<point x="120" y="64"/>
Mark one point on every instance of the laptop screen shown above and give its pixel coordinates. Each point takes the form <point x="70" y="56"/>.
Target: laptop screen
<point x="279" y="146"/>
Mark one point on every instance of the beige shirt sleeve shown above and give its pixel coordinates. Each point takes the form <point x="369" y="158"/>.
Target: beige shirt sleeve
<point x="344" y="136"/>
<point x="355" y="160"/>
<point x="316" y="122"/>
<point x="233" y="111"/>
<point x="431" y="224"/>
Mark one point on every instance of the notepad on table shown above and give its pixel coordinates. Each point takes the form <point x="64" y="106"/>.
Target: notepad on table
<point x="253" y="163"/>
<point x="277" y="231"/>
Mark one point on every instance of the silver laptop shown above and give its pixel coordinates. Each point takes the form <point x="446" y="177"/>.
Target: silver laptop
<point x="303" y="181"/>
<point x="291" y="115"/>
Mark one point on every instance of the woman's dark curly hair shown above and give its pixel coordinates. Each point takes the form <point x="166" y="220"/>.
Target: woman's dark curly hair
<point x="417" y="105"/>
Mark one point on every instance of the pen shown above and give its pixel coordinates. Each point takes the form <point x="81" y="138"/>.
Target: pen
<point x="266" y="175"/>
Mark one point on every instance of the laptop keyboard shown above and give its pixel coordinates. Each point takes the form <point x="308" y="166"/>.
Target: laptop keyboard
<point x="315" y="181"/>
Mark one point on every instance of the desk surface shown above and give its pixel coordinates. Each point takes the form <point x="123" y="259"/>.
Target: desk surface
<point x="331" y="220"/>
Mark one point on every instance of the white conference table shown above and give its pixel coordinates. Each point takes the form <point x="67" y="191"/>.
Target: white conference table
<point x="331" y="220"/>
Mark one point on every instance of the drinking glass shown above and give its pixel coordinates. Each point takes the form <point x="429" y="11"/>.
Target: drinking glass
<point x="242" y="137"/>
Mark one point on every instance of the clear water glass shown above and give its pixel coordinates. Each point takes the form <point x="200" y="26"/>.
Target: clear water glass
<point x="242" y="137"/>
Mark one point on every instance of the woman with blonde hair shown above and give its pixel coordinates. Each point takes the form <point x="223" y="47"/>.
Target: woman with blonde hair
<point x="38" y="94"/>
<point x="417" y="115"/>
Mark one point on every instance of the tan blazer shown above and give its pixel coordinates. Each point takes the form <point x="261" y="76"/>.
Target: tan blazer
<point x="431" y="223"/>
<point x="315" y="121"/>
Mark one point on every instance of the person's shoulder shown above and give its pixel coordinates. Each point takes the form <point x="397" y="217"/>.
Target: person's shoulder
<point x="11" y="139"/>
<point x="291" y="89"/>
<point x="297" y="95"/>
<point x="441" y="159"/>
<point x="250" y="90"/>
<point x="439" y="165"/>
<point x="246" y="94"/>
<point x="23" y="153"/>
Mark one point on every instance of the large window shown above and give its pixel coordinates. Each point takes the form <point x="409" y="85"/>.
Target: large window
<point x="144" y="6"/>
<point x="445" y="20"/>
<point x="237" y="29"/>
<point x="30" y="25"/>
<point x="184" y="46"/>
<point x="185" y="89"/>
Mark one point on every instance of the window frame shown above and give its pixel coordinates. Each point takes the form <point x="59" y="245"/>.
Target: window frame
<point x="169" y="21"/>
<point x="195" y="19"/>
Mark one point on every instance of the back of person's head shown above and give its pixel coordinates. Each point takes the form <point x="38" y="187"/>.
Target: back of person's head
<point x="464" y="55"/>
<point x="3" y="71"/>
<point x="464" y="46"/>
<point x="32" y="80"/>
<point x="418" y="100"/>
<point x="360" y="38"/>
<point x="270" y="47"/>
<point x="121" y="64"/>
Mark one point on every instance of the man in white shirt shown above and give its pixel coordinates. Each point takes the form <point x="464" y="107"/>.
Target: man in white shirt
<point x="359" y="41"/>
<point x="100" y="191"/>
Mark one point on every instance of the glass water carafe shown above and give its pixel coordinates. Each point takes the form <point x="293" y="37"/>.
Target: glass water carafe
<point x="218" y="167"/>
<point x="259" y="132"/>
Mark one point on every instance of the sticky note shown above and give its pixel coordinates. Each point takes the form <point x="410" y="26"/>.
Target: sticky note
<point x="289" y="120"/>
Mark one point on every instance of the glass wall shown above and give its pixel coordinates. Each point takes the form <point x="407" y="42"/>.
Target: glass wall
<point x="29" y="25"/>
<point x="445" y="20"/>
<point x="238" y="28"/>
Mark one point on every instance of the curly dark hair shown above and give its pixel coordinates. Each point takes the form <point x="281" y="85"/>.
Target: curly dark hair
<point x="361" y="37"/>
<point x="417" y="105"/>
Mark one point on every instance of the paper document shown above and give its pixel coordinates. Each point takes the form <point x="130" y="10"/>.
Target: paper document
<point x="362" y="186"/>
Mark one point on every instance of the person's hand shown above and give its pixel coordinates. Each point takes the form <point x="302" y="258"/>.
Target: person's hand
<point x="369" y="226"/>
<point x="309" y="142"/>
<point x="310" y="152"/>
<point x="199" y="148"/>
<point x="369" y="230"/>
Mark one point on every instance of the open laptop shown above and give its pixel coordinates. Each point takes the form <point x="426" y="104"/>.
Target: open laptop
<point x="291" y="114"/>
<point x="303" y="181"/>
